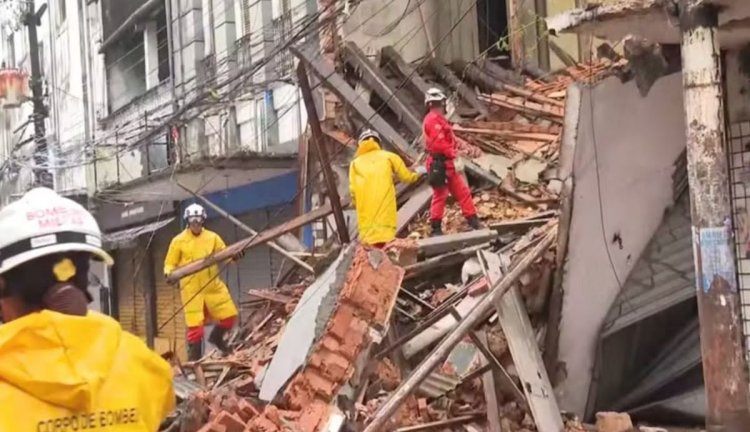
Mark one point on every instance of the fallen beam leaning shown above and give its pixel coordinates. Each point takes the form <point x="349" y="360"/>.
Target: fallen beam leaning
<point x="247" y="229"/>
<point x="445" y="347"/>
<point x="250" y="242"/>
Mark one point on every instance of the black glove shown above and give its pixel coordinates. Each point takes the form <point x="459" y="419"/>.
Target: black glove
<point x="239" y="255"/>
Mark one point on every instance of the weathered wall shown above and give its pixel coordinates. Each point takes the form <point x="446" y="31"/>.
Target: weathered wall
<point x="738" y="108"/>
<point x="372" y="18"/>
<point x="68" y="112"/>
<point x="628" y="153"/>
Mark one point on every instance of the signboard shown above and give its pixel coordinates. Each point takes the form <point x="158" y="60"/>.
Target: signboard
<point x="113" y="216"/>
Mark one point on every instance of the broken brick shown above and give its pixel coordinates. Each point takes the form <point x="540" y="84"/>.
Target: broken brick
<point x="312" y="416"/>
<point x="245" y="386"/>
<point x="246" y="411"/>
<point x="230" y="422"/>
<point x="340" y="322"/>
<point x="332" y="365"/>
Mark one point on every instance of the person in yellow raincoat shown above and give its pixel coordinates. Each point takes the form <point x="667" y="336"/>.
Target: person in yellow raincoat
<point x="372" y="190"/>
<point x="62" y="367"/>
<point x="202" y="293"/>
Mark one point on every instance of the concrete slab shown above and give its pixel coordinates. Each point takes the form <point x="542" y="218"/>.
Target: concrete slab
<point x="305" y="325"/>
<point x="447" y="243"/>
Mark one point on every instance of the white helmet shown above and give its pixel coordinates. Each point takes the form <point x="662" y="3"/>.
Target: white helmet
<point x="434" y="95"/>
<point x="369" y="133"/>
<point x="195" y="210"/>
<point x="43" y="223"/>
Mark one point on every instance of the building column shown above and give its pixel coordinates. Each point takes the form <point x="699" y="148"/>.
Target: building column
<point x="724" y="365"/>
<point x="187" y="31"/>
<point x="225" y="31"/>
<point x="151" y="54"/>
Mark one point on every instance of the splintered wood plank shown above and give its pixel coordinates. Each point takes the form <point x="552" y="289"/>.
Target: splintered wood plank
<point x="523" y="348"/>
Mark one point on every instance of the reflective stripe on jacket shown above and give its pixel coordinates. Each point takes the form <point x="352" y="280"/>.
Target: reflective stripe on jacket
<point x="70" y="373"/>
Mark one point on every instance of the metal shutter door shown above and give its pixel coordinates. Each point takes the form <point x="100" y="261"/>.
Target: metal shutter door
<point x="130" y="295"/>
<point x="168" y="301"/>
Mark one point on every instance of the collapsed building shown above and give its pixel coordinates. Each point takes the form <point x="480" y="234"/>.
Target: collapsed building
<point x="462" y="320"/>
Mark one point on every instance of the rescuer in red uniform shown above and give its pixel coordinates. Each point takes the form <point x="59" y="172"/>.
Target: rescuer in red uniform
<point x="441" y="166"/>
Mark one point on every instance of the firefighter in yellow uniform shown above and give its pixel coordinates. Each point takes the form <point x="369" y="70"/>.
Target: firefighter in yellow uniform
<point x="202" y="293"/>
<point x="62" y="367"/>
<point x="372" y="190"/>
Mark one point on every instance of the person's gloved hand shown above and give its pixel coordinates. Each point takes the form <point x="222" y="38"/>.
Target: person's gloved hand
<point x="239" y="255"/>
<point x="421" y="170"/>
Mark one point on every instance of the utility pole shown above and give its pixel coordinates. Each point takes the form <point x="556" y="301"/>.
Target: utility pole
<point x="32" y="19"/>
<point x="724" y="365"/>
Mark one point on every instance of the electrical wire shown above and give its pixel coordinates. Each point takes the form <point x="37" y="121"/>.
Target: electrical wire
<point x="255" y="65"/>
<point x="248" y="241"/>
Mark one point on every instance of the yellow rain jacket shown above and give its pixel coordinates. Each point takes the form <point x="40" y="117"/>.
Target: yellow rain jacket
<point x="371" y="186"/>
<point x="64" y="373"/>
<point x="212" y="294"/>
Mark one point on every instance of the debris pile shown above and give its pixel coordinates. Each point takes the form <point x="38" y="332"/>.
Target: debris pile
<point x="333" y="353"/>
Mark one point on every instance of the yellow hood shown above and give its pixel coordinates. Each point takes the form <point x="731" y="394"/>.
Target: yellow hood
<point x="60" y="359"/>
<point x="367" y="146"/>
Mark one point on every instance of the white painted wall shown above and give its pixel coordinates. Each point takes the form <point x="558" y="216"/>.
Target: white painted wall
<point x="372" y="18"/>
<point x="637" y="141"/>
<point x="67" y="89"/>
<point x="61" y="65"/>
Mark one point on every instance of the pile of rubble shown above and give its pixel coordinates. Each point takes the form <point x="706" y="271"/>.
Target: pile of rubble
<point x="335" y="352"/>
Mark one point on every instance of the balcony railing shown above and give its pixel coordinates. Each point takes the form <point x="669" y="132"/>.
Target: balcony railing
<point x="242" y="51"/>
<point x="208" y="70"/>
<point x="283" y="63"/>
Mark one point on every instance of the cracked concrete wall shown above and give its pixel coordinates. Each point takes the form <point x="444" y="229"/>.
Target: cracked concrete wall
<point x="626" y="157"/>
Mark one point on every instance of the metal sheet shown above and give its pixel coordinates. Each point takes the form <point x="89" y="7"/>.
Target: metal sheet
<point x="690" y="405"/>
<point x="663" y="276"/>
<point x="184" y="387"/>
<point x="677" y="357"/>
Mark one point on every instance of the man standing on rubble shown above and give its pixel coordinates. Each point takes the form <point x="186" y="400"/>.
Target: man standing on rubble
<point x="372" y="190"/>
<point x="63" y="367"/>
<point x="202" y="293"/>
<point x="441" y="164"/>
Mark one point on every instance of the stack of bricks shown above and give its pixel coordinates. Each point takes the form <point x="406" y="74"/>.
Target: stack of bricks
<point x="363" y="309"/>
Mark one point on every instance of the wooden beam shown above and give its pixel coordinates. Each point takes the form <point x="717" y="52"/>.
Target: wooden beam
<point x="250" y="242"/>
<point x="318" y="139"/>
<point x="490" y="394"/>
<point x="442" y="261"/>
<point x="517" y="225"/>
<point x="451" y="242"/>
<point x="456" y="84"/>
<point x="441" y="424"/>
<point x="413" y="206"/>
<point x="336" y="84"/>
<point x="521" y="339"/>
<point x="397" y="64"/>
<point x="303" y="163"/>
<point x="374" y="80"/>
<point x="505" y="75"/>
<point x="446" y="345"/>
<point x="246" y="228"/>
